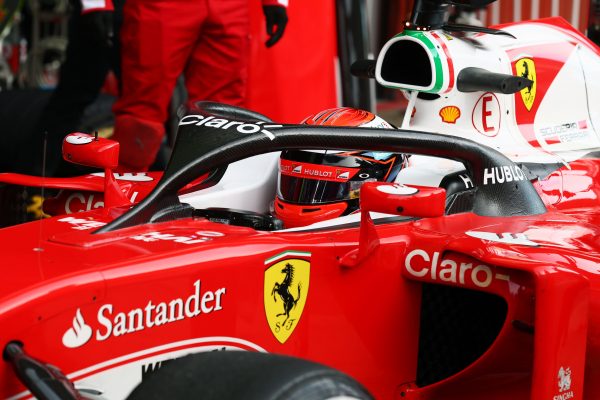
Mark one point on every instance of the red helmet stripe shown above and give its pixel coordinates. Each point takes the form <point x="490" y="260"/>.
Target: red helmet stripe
<point x="343" y="116"/>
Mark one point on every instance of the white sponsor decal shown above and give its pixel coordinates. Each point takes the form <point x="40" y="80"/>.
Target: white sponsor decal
<point x="564" y="384"/>
<point x="565" y="133"/>
<point x="316" y="172"/>
<point x="128" y="176"/>
<point x="86" y="202"/>
<point x="509" y="238"/>
<point x="297" y="169"/>
<point x="78" y="334"/>
<point x="114" y="324"/>
<point x="506" y="173"/>
<point x="82" y="224"/>
<point x="79" y="139"/>
<point x="221" y="123"/>
<point x="486" y="117"/>
<point x="397" y="188"/>
<point x="210" y="233"/>
<point x="377" y="122"/>
<point x="344" y="175"/>
<point x="421" y="264"/>
<point x="199" y="237"/>
<point x="466" y="180"/>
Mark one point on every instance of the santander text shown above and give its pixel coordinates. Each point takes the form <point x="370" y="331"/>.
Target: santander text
<point x="114" y="323"/>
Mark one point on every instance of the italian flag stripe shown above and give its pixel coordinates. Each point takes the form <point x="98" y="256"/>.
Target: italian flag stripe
<point x="304" y="254"/>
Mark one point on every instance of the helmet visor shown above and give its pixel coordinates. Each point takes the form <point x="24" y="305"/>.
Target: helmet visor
<point x="312" y="191"/>
<point x="317" y="178"/>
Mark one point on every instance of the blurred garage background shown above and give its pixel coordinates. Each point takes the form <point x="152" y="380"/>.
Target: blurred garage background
<point x="309" y="70"/>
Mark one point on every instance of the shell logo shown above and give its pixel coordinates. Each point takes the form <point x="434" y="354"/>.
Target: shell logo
<point x="450" y="114"/>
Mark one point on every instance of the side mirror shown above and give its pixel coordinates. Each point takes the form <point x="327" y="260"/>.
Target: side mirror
<point x="398" y="199"/>
<point x="91" y="151"/>
<point x="395" y="199"/>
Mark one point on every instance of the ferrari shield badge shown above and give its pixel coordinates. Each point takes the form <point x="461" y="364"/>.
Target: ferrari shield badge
<point x="525" y="67"/>
<point x="287" y="278"/>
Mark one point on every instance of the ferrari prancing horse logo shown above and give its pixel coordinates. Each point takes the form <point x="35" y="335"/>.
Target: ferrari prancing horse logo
<point x="286" y="288"/>
<point x="525" y="68"/>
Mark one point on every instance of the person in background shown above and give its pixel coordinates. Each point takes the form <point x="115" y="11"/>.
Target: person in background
<point x="91" y="52"/>
<point x="205" y="40"/>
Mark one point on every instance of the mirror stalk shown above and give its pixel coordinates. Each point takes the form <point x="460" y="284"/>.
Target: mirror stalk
<point x="368" y="242"/>
<point x="393" y="199"/>
<point x="113" y="196"/>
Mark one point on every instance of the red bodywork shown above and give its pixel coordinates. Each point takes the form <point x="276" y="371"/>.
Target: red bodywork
<point x="362" y="320"/>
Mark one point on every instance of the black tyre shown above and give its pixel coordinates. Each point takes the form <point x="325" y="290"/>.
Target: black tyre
<point x="246" y="375"/>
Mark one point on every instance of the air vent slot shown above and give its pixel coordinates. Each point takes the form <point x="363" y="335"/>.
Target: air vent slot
<point x="309" y="210"/>
<point x="407" y="63"/>
<point x="457" y="326"/>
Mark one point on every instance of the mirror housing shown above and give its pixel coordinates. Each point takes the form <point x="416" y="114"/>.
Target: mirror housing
<point x="395" y="199"/>
<point x="398" y="199"/>
<point x="91" y="151"/>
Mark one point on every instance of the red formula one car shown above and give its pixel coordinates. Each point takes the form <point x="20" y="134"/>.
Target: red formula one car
<point x="474" y="275"/>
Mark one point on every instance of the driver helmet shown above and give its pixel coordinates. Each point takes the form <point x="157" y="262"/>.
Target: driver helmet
<point x="317" y="185"/>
